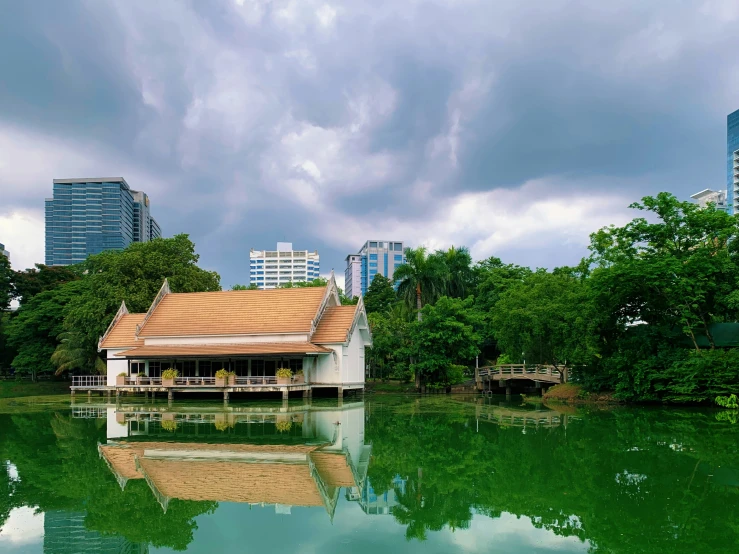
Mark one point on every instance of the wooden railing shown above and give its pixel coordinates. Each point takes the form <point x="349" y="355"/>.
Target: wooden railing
<point x="521" y="371"/>
<point x="89" y="380"/>
<point x="264" y="380"/>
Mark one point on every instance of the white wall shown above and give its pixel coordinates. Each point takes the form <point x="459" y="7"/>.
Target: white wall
<point x="326" y="369"/>
<point x="352" y="370"/>
<point x="115" y="430"/>
<point x="116" y="365"/>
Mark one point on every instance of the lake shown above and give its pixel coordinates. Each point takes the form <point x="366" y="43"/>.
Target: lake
<point x="386" y="474"/>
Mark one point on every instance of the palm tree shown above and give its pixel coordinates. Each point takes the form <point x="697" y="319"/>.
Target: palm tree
<point x="459" y="265"/>
<point x="421" y="279"/>
<point x="72" y="354"/>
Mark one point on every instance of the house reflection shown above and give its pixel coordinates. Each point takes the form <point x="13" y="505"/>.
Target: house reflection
<point x="282" y="456"/>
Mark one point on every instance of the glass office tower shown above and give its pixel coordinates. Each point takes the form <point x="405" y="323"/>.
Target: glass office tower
<point x="88" y="216"/>
<point x="376" y="256"/>
<point x="732" y="161"/>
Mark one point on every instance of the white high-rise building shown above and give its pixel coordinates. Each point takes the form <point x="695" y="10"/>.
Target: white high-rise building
<point x="4" y="252"/>
<point x="716" y="197"/>
<point x="375" y="256"/>
<point x="269" y="269"/>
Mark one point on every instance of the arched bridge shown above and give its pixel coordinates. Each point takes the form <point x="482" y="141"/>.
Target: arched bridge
<point x="540" y="374"/>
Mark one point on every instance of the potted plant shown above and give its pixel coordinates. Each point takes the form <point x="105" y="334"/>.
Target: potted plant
<point x="299" y="377"/>
<point x="284" y="375"/>
<point x="120" y="379"/>
<point x="231" y="378"/>
<point x="168" y="377"/>
<point x="221" y="377"/>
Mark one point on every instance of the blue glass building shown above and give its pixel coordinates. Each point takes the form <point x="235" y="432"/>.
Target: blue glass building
<point x="732" y="161"/>
<point x="88" y="216"/>
<point x="376" y="256"/>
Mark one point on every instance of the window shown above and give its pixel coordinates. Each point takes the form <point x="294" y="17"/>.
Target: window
<point x="399" y="258"/>
<point x="373" y="245"/>
<point x="373" y="256"/>
<point x="373" y="264"/>
<point x="138" y="367"/>
<point x="398" y="247"/>
<point x="296" y="364"/>
<point x="155" y="369"/>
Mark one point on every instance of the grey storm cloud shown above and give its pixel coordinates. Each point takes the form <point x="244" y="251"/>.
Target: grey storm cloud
<point x="515" y="128"/>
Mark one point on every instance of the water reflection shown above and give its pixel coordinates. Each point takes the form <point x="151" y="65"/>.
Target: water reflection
<point x="283" y="457"/>
<point x="435" y="474"/>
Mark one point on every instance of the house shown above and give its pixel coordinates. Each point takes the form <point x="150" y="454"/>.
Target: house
<point x="251" y="333"/>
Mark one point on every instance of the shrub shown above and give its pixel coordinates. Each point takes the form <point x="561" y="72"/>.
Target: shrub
<point x="284" y="373"/>
<point x="728" y="401"/>
<point x="122" y="374"/>
<point x="170" y="373"/>
<point x="223" y="373"/>
<point x="283" y="426"/>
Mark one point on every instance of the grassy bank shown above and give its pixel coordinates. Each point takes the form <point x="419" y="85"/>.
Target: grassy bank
<point x="389" y="387"/>
<point x="18" y="389"/>
<point x="574" y="394"/>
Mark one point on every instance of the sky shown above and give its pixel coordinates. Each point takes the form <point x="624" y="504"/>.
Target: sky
<point x="513" y="128"/>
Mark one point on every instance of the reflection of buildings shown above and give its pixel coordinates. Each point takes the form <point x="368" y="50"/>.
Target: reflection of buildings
<point x="65" y="533"/>
<point x="373" y="503"/>
<point x="299" y="457"/>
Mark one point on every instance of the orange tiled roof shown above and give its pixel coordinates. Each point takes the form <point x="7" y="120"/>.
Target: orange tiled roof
<point x="154" y="351"/>
<point x="234" y="481"/>
<point x="235" y="312"/>
<point x="333" y="468"/>
<point x="122" y="460"/>
<point x="334" y="324"/>
<point x="123" y="334"/>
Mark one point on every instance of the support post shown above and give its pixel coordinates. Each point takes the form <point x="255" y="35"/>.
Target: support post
<point x="306" y="393"/>
<point x="285" y="394"/>
<point x="89" y="393"/>
<point x="340" y="392"/>
<point x="225" y="396"/>
<point x="170" y="395"/>
<point x="72" y="392"/>
<point x="508" y="391"/>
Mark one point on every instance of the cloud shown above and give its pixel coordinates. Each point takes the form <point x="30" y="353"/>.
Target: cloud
<point x="24" y="526"/>
<point x="515" y="128"/>
<point x="23" y="232"/>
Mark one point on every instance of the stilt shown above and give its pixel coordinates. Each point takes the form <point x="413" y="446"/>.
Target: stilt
<point x="72" y="393"/>
<point x="89" y="393"/>
<point x="508" y="391"/>
<point x="285" y="394"/>
<point x="170" y="395"/>
<point x="225" y="396"/>
<point x="340" y="392"/>
<point x="306" y="393"/>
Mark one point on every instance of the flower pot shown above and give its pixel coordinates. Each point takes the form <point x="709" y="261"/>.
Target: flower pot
<point x="167" y="382"/>
<point x="299" y="379"/>
<point x="220" y="381"/>
<point x="232" y="380"/>
<point x="283" y="380"/>
<point x="120" y="380"/>
<point x="138" y="379"/>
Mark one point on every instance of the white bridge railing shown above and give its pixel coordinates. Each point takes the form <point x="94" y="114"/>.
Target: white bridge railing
<point x="89" y="380"/>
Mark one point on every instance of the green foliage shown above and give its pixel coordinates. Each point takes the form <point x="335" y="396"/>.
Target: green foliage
<point x="388" y="357"/>
<point x="251" y="286"/>
<point x="727" y="401"/>
<point x="31" y="282"/>
<point x="223" y="373"/>
<point x="6" y="283"/>
<point x="284" y="373"/>
<point x="380" y="295"/>
<point x="317" y="282"/>
<point x="443" y="340"/>
<point x="170" y="373"/>
<point x="34" y="330"/>
<point x="546" y="318"/>
<point x="422" y="279"/>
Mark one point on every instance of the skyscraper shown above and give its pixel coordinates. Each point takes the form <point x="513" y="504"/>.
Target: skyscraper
<point x="4" y="252"/>
<point x="87" y="216"/>
<point x="269" y="269"/>
<point x="716" y="197"/>
<point x="732" y="161"/>
<point x="376" y="256"/>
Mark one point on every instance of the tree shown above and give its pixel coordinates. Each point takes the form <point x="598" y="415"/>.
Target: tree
<point x="380" y="295"/>
<point x="251" y="286"/>
<point x="421" y="279"/>
<point x="548" y="318"/>
<point x="388" y="356"/>
<point x="30" y="282"/>
<point x="317" y="282"/>
<point x="133" y="275"/>
<point x="443" y="341"/>
<point x="6" y="283"/>
<point x="35" y="329"/>
<point x="678" y="272"/>
<point x="460" y="276"/>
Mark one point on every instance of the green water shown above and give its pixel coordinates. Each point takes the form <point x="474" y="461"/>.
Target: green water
<point x="388" y="474"/>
